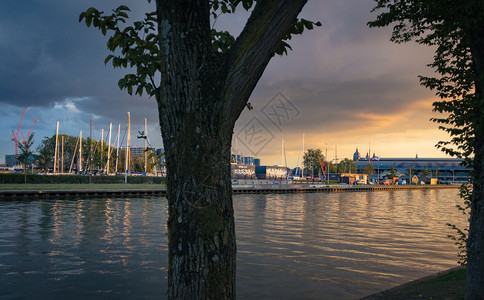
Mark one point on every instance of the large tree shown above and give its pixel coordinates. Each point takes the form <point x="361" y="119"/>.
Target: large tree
<point x="456" y="29"/>
<point x="207" y="77"/>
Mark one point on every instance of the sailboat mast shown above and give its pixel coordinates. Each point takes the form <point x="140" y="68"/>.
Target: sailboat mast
<point x="109" y="147"/>
<point x="128" y="141"/>
<point x="236" y="159"/>
<point x="80" y="151"/>
<point x="90" y="151"/>
<point x="282" y="153"/>
<point x="302" y="171"/>
<point x="55" y="149"/>
<point x="73" y="156"/>
<point x="146" y="145"/>
<point x="102" y="149"/>
<point x="117" y="149"/>
<point x="62" y="155"/>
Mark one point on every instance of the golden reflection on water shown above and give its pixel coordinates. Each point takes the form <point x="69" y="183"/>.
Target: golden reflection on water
<point x="336" y="245"/>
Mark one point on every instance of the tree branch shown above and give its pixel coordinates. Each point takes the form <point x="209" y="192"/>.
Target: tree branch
<point x="268" y="24"/>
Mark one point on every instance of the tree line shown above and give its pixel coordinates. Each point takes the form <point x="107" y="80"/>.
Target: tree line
<point x="86" y="156"/>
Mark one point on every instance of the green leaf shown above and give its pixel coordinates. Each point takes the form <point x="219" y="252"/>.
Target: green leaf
<point x="121" y="83"/>
<point x="108" y="58"/>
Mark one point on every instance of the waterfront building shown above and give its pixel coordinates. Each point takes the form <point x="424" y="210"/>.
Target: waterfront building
<point x="350" y="178"/>
<point x="444" y="168"/>
<point x="242" y="171"/>
<point x="11" y="160"/>
<point x="356" y="155"/>
<point x="138" y="151"/>
<point x="271" y="172"/>
<point x="246" y="160"/>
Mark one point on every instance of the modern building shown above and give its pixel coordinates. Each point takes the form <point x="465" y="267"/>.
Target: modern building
<point x="271" y="172"/>
<point x="246" y="160"/>
<point x="138" y="151"/>
<point x="11" y="160"/>
<point x="444" y="168"/>
<point x="242" y="171"/>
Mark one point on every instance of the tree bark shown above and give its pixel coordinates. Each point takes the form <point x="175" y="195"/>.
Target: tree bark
<point x="475" y="240"/>
<point x="201" y="95"/>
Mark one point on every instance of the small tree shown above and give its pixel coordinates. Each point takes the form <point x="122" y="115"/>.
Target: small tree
<point x="347" y="166"/>
<point x="369" y="169"/>
<point x="393" y="171"/>
<point x="424" y="173"/>
<point x="25" y="157"/>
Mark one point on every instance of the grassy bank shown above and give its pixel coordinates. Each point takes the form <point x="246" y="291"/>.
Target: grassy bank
<point x="448" y="285"/>
<point x="68" y="187"/>
<point x="17" y="178"/>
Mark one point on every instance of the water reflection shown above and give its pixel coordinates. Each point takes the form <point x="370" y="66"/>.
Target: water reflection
<point x="312" y="246"/>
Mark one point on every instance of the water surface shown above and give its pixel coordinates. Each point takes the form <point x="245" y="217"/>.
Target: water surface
<point x="291" y="246"/>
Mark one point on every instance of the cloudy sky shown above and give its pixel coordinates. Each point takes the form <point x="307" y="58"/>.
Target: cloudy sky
<point x="343" y="86"/>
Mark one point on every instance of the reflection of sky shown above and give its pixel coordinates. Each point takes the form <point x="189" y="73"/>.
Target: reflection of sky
<point x="349" y="83"/>
<point x="341" y="245"/>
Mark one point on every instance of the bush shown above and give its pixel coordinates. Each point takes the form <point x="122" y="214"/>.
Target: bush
<point x="17" y="178"/>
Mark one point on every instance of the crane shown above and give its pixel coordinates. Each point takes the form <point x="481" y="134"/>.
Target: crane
<point x="15" y="135"/>
<point x="31" y="126"/>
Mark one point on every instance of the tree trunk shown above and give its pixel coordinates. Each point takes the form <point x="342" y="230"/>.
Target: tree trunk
<point x="475" y="240"/>
<point x="202" y="247"/>
<point x="202" y="93"/>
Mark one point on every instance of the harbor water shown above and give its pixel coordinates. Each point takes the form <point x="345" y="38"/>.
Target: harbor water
<point x="290" y="246"/>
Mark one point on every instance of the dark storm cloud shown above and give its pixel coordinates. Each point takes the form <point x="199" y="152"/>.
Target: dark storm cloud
<point x="340" y="76"/>
<point x="47" y="55"/>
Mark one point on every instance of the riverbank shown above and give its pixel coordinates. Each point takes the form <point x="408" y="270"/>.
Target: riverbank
<point x="449" y="285"/>
<point x="65" y="190"/>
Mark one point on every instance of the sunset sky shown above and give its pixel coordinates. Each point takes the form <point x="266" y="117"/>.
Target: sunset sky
<point x="343" y="84"/>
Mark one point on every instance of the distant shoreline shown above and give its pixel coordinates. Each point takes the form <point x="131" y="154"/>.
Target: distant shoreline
<point x="42" y="191"/>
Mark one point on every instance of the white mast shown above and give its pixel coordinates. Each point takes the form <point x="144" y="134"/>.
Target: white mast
<point x="236" y="159"/>
<point x="126" y="168"/>
<point x="102" y="149"/>
<point x="117" y="149"/>
<point x="80" y="151"/>
<point x="55" y="150"/>
<point x="282" y="153"/>
<point x="73" y="156"/>
<point x="298" y="157"/>
<point x="62" y="155"/>
<point x="302" y="172"/>
<point x="109" y="147"/>
<point x="146" y="145"/>
<point x="336" y="158"/>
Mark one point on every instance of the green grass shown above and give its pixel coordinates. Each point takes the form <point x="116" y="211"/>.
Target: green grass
<point x="449" y="286"/>
<point x="33" y="187"/>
